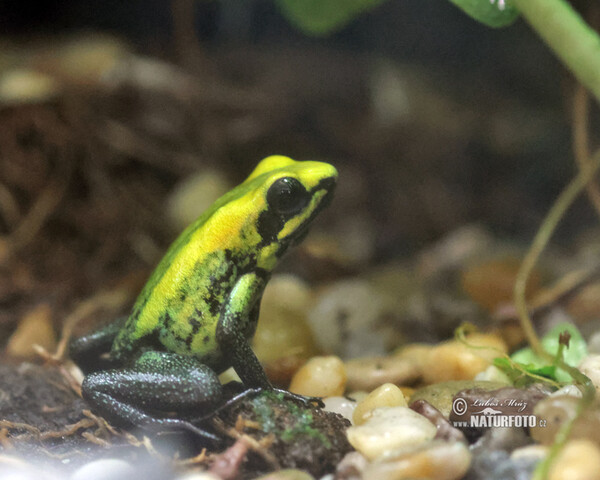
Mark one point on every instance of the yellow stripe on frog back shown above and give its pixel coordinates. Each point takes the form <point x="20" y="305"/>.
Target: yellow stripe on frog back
<point x="231" y="227"/>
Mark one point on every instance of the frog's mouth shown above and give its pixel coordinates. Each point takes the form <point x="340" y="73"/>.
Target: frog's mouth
<point x="327" y="184"/>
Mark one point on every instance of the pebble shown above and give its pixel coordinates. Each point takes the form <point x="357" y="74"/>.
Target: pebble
<point x="320" y="377"/>
<point x="578" y="460"/>
<point x="533" y="452"/>
<point x="499" y="465"/>
<point x="287" y="474"/>
<point x="351" y="466"/>
<point x="493" y="374"/>
<point x="34" y="328"/>
<point x="590" y="366"/>
<point x="491" y="283"/>
<point x="454" y="360"/>
<point x="105" y="469"/>
<point x="347" y="320"/>
<point x="570" y="390"/>
<point x="15" y="468"/>
<point x="192" y="196"/>
<point x="199" y="476"/>
<point x="27" y="86"/>
<point x="283" y="341"/>
<point x="387" y="395"/>
<point x="388" y="429"/>
<point x="341" y="405"/>
<point x="594" y="343"/>
<point x="368" y="373"/>
<point x="438" y="459"/>
<point x="555" y="410"/>
<point x="440" y="395"/>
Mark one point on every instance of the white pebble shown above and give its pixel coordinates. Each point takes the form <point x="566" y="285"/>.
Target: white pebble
<point x="341" y="405"/>
<point x="438" y="459"/>
<point x="570" y="390"/>
<point x="590" y="366"/>
<point x="388" y="429"/>
<point x="530" y="452"/>
<point x="105" y="469"/>
<point x="199" y="476"/>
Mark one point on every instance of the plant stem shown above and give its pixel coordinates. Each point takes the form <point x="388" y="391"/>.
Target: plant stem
<point x="568" y="35"/>
<point x="554" y="216"/>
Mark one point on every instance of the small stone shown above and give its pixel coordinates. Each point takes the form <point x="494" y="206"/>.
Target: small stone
<point x="590" y="367"/>
<point x="387" y="395"/>
<point x="105" y="469"/>
<point x="454" y="360"/>
<point x="283" y="341"/>
<point x="440" y="395"/>
<point x="445" y="430"/>
<point x="578" y="460"/>
<point x="370" y="372"/>
<point x="35" y="328"/>
<point x="347" y="320"/>
<point x="388" y="429"/>
<point x="320" y="377"/>
<point x="194" y="195"/>
<point x="351" y="466"/>
<point x="27" y="86"/>
<point x="493" y="374"/>
<point x="594" y="343"/>
<point x="340" y="405"/>
<point x="199" y="476"/>
<point x="535" y="452"/>
<point x="570" y="389"/>
<point x="491" y="283"/>
<point x="439" y="460"/>
<point x="287" y="474"/>
<point x="555" y="410"/>
<point x="585" y="303"/>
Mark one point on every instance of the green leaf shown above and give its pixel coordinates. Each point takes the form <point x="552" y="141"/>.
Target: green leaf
<point x="520" y="373"/>
<point x="493" y="13"/>
<point x="320" y="17"/>
<point x="572" y="356"/>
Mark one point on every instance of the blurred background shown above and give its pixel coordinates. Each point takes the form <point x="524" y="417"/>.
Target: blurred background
<point x="121" y="121"/>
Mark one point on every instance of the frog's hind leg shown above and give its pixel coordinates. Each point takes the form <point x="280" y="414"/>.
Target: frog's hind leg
<point x="87" y="351"/>
<point x="156" y="384"/>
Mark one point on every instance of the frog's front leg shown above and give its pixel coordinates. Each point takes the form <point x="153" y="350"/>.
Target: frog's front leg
<point x="236" y="328"/>
<point x="157" y="383"/>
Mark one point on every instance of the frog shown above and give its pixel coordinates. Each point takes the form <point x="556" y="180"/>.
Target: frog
<point x="197" y="314"/>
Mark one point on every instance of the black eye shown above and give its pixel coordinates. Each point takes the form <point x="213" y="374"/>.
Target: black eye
<point x="287" y="196"/>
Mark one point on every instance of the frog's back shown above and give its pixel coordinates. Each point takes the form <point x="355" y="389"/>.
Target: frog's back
<point x="179" y="307"/>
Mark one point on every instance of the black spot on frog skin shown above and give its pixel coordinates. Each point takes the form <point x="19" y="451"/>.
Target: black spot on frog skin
<point x="205" y="339"/>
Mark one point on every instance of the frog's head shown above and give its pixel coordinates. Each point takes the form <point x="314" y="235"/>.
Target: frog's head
<point x="292" y="194"/>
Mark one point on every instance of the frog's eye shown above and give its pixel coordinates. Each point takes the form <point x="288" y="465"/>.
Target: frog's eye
<point x="287" y="196"/>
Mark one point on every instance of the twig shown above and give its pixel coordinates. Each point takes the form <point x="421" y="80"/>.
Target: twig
<point x="42" y="208"/>
<point x="581" y="144"/>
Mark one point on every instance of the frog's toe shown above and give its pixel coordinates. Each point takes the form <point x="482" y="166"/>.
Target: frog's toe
<point x="308" y="401"/>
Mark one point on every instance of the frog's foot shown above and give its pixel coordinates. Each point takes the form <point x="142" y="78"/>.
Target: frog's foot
<point x="251" y="392"/>
<point x="306" y="401"/>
